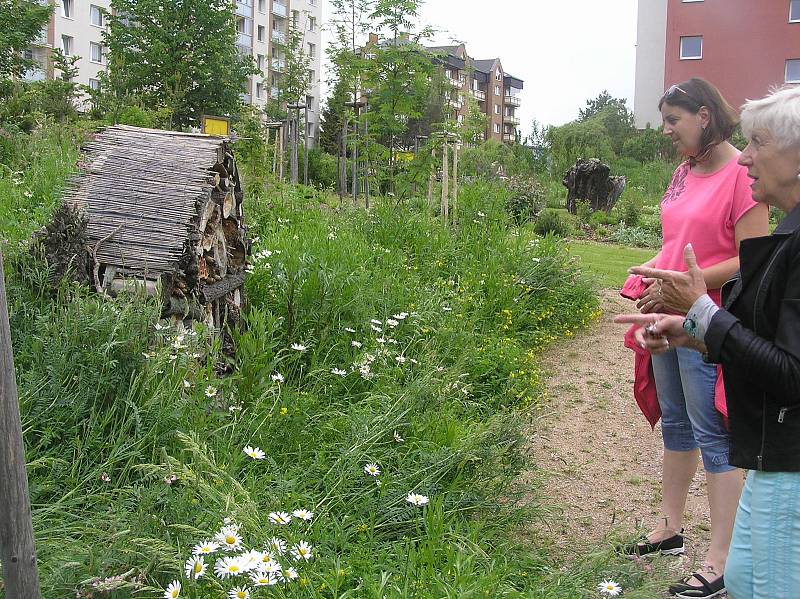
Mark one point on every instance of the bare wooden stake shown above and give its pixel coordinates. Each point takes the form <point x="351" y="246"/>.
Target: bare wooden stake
<point x="455" y="182"/>
<point x="17" y="548"/>
<point x="431" y="176"/>
<point x="445" y="184"/>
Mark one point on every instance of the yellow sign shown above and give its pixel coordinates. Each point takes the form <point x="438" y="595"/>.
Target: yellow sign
<point x="216" y="125"/>
<point x="404" y="156"/>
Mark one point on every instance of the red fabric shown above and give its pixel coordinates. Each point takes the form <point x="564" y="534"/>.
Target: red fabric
<point x="644" y="381"/>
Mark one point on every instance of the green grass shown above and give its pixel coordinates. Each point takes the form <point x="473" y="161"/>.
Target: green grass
<point x="608" y="264"/>
<point x="134" y="442"/>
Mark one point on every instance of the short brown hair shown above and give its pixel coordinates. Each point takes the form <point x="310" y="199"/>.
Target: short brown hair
<point x="692" y="95"/>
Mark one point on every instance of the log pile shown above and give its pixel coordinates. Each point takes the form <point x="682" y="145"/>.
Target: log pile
<point x="590" y="180"/>
<point x="163" y="210"/>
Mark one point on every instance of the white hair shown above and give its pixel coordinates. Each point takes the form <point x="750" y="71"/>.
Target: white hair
<point x="778" y="113"/>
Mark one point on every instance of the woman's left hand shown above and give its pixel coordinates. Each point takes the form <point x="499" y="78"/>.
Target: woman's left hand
<point x="679" y="290"/>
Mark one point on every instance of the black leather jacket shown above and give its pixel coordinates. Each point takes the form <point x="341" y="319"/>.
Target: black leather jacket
<point x="756" y="339"/>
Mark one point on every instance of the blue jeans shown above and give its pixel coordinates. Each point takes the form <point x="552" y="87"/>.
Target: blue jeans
<point x="685" y="385"/>
<point x="764" y="558"/>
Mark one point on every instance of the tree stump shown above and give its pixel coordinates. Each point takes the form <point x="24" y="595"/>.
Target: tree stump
<point x="590" y="180"/>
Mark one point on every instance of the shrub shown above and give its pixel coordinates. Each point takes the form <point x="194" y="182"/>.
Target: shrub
<point x="550" y="221"/>
<point x="526" y="199"/>
<point x="629" y="209"/>
<point x="600" y="218"/>
<point x="583" y="210"/>
<point x="635" y="236"/>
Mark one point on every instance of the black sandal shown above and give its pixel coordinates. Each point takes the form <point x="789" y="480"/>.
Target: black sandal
<point x="684" y="590"/>
<point x="671" y="546"/>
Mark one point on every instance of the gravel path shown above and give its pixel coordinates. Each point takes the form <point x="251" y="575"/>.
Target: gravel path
<point x="598" y="464"/>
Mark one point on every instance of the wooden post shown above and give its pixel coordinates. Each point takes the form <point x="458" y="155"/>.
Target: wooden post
<point x="17" y="548"/>
<point x="431" y="176"/>
<point x="305" y="147"/>
<point x="275" y="153"/>
<point x="355" y="160"/>
<point x="445" y="183"/>
<point x="366" y="158"/>
<point x="455" y="182"/>
<point x="343" y="168"/>
<point x="281" y="152"/>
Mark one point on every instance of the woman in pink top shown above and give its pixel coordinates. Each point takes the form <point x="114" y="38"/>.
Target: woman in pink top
<point x="708" y="204"/>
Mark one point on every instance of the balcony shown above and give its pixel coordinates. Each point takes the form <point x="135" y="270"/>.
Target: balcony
<point x="457" y="103"/>
<point x="279" y="9"/>
<point x="278" y="64"/>
<point x="511" y="120"/>
<point x="513" y="100"/>
<point x="479" y="95"/>
<point x="509" y="137"/>
<point x="278" y="36"/>
<point x="273" y="93"/>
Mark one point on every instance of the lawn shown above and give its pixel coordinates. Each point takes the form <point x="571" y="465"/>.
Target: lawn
<point x="608" y="264"/>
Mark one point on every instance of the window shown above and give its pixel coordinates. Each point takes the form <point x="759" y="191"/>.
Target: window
<point x="260" y="62"/>
<point x="496" y="90"/>
<point x="66" y="8"/>
<point x="311" y="77"/>
<point x="262" y="33"/>
<point x="692" y="47"/>
<point x="497" y="108"/>
<point x="310" y="102"/>
<point x="241" y="25"/>
<point x="259" y="89"/>
<point x="312" y="23"/>
<point x="793" y="70"/>
<point x="312" y="50"/>
<point x="498" y="76"/>
<point x="497" y="127"/>
<point x="794" y="11"/>
<point x="262" y="5"/>
<point x="66" y="44"/>
<point x="94" y="84"/>
<point x="95" y="52"/>
<point x="295" y="18"/>
<point x="96" y="16"/>
<point x="310" y="128"/>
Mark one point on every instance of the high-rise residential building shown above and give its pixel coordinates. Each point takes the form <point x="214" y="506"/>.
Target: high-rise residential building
<point x="744" y="47"/>
<point x="497" y="92"/>
<point x="262" y="32"/>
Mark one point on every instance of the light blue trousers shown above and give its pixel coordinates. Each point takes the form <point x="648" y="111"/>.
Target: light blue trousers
<point x="764" y="558"/>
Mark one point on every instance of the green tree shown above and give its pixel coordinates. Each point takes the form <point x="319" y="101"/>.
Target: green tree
<point x="333" y="116"/>
<point x="647" y="145"/>
<point x="473" y="128"/>
<point x="21" y="22"/>
<point x="293" y="85"/>
<point x="614" y="116"/>
<point x="576" y="140"/>
<point x="177" y="54"/>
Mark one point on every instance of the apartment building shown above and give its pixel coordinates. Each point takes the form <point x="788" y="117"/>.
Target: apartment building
<point x="497" y="93"/>
<point x="744" y="47"/>
<point x="262" y="32"/>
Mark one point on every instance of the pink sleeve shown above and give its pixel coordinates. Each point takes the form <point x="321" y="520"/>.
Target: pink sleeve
<point x="742" y="196"/>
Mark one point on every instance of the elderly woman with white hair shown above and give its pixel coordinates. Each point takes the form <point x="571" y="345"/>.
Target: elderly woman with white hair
<point x="755" y="336"/>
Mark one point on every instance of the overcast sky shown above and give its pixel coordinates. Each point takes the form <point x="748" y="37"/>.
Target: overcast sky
<point x="566" y="51"/>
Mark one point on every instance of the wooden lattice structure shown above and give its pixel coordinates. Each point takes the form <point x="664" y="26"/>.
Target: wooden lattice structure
<point x="163" y="211"/>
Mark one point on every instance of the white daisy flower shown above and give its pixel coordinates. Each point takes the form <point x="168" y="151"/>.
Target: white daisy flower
<point x="251" y="560"/>
<point x="205" y="548"/>
<point x="397" y="437"/>
<point x="417" y="499"/>
<point x="400" y="359"/>
<point x="263" y="579"/>
<point x="481" y="214"/>
<point x="392" y="322"/>
<point x="288" y="574"/>
<point x="271" y="567"/>
<point x="277" y="545"/>
<point x="173" y="591"/>
<point x="303" y="514"/>
<point x="392" y="341"/>
<point x="299" y="347"/>
<point x="350" y="329"/>
<point x="609" y="588"/>
<point x="254" y="452"/>
<point x="401" y="316"/>
<point x="380" y="340"/>
<point x="239" y="593"/>
<point x="228" y="566"/>
<point x="376" y="321"/>
<point x="376" y="328"/>
<point x="356" y="344"/>
<point x="186" y="384"/>
<point x="211" y="391"/>
<point x="228" y="537"/>
<point x="372" y="470"/>
<point x="302" y="551"/>
<point x="277" y="378"/>
<point x="194" y="567"/>
<point x="338" y="372"/>
<point x="446" y="309"/>
<point x="280" y="518"/>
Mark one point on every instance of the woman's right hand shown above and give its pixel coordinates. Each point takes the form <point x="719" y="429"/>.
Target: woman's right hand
<point x="651" y="301"/>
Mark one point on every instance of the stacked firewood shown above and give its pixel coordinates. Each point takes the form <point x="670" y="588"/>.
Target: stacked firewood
<point x="163" y="213"/>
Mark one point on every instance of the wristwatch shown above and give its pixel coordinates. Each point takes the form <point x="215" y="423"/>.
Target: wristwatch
<point x="690" y="326"/>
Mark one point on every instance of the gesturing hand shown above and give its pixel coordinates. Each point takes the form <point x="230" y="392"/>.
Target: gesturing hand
<point x="658" y="332"/>
<point x="679" y="290"/>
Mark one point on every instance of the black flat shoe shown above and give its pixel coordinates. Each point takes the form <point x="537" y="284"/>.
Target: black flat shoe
<point x="670" y="546"/>
<point x="713" y="588"/>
